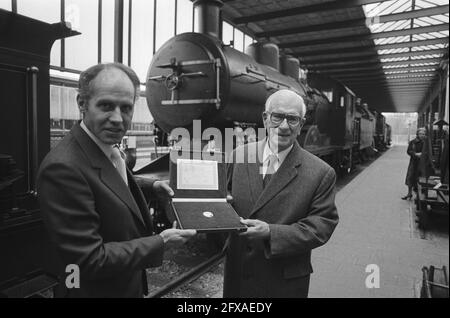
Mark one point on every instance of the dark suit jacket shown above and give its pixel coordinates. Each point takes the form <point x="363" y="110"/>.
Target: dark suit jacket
<point x="298" y="204"/>
<point x="95" y="220"/>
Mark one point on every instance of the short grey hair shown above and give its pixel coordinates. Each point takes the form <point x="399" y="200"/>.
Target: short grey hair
<point x="87" y="76"/>
<point x="285" y="93"/>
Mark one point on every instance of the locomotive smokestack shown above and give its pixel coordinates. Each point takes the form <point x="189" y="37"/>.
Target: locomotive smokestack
<point x="207" y="17"/>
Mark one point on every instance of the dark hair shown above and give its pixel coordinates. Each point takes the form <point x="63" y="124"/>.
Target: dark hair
<point x="87" y="76"/>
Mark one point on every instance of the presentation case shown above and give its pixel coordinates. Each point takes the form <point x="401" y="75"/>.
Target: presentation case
<point x="199" y="180"/>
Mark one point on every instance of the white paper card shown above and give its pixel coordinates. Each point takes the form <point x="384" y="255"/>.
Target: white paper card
<point x="197" y="175"/>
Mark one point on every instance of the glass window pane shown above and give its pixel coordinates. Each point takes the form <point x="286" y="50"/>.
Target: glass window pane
<point x="107" y="31"/>
<point x="247" y="40"/>
<point x="64" y="112"/>
<point x="238" y="40"/>
<point x="165" y="21"/>
<point x="144" y="144"/>
<point x="142" y="37"/>
<point x="184" y="16"/>
<point x="63" y="105"/>
<point x="5" y="4"/>
<point x="47" y="11"/>
<point x="81" y="50"/>
<point x="69" y="108"/>
<point x="141" y="113"/>
<point x="55" y="102"/>
<point x="55" y="54"/>
<point x="227" y="33"/>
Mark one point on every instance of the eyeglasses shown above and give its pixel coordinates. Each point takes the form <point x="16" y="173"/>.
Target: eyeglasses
<point x="277" y="118"/>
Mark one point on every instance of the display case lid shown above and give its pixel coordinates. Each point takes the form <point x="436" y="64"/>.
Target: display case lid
<point x="198" y="175"/>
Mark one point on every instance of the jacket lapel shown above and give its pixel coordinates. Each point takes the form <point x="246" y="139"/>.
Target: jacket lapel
<point x="284" y="175"/>
<point x="253" y="171"/>
<point x="112" y="179"/>
<point x="107" y="173"/>
<point x="140" y="201"/>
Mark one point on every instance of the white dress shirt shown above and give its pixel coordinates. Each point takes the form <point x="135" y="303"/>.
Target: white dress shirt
<point x="281" y="156"/>
<point x="108" y="151"/>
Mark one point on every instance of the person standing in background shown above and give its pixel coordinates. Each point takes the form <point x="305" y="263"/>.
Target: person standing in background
<point x="414" y="151"/>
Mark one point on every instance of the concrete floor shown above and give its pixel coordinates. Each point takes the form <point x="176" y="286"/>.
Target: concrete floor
<point x="377" y="227"/>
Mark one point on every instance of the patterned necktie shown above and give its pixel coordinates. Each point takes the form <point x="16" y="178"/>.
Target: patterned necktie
<point x="273" y="159"/>
<point x="119" y="163"/>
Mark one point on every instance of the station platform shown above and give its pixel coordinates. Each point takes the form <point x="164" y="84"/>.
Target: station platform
<point x="377" y="227"/>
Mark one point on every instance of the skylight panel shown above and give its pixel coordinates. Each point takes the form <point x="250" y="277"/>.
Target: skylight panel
<point x="428" y="47"/>
<point x="396" y="72"/>
<point x="424" y="64"/>
<point x="387" y="7"/>
<point x="436" y="2"/>
<point x="394" y="59"/>
<point x="395" y="66"/>
<point x="393" y="51"/>
<point x="429" y="56"/>
<point x="433" y="20"/>
<point x="410" y="76"/>
<point x="423" y="70"/>
<point x="425" y="4"/>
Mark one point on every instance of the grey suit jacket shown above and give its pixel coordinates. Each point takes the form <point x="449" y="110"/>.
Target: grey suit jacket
<point x="298" y="204"/>
<point x="95" y="220"/>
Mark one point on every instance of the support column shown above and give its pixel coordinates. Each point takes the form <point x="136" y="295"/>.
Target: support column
<point x="430" y="119"/>
<point x="446" y="100"/>
<point x="118" y="31"/>
<point x="427" y="117"/>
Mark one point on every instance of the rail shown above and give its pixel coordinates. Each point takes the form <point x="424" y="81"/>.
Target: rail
<point x="192" y="274"/>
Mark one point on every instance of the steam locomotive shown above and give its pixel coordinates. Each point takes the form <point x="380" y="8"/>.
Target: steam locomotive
<point x="195" y="76"/>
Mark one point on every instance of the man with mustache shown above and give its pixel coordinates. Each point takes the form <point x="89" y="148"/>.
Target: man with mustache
<point x="93" y="209"/>
<point x="285" y="196"/>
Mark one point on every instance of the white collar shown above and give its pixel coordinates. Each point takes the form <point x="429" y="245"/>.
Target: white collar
<point x="280" y="155"/>
<point x="107" y="149"/>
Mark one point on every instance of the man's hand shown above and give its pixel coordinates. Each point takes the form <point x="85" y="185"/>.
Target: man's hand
<point x="162" y="189"/>
<point x="257" y="230"/>
<point x="175" y="237"/>
<point x="418" y="154"/>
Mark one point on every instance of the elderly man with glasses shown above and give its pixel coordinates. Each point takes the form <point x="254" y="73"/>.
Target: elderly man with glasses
<point x="285" y="196"/>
